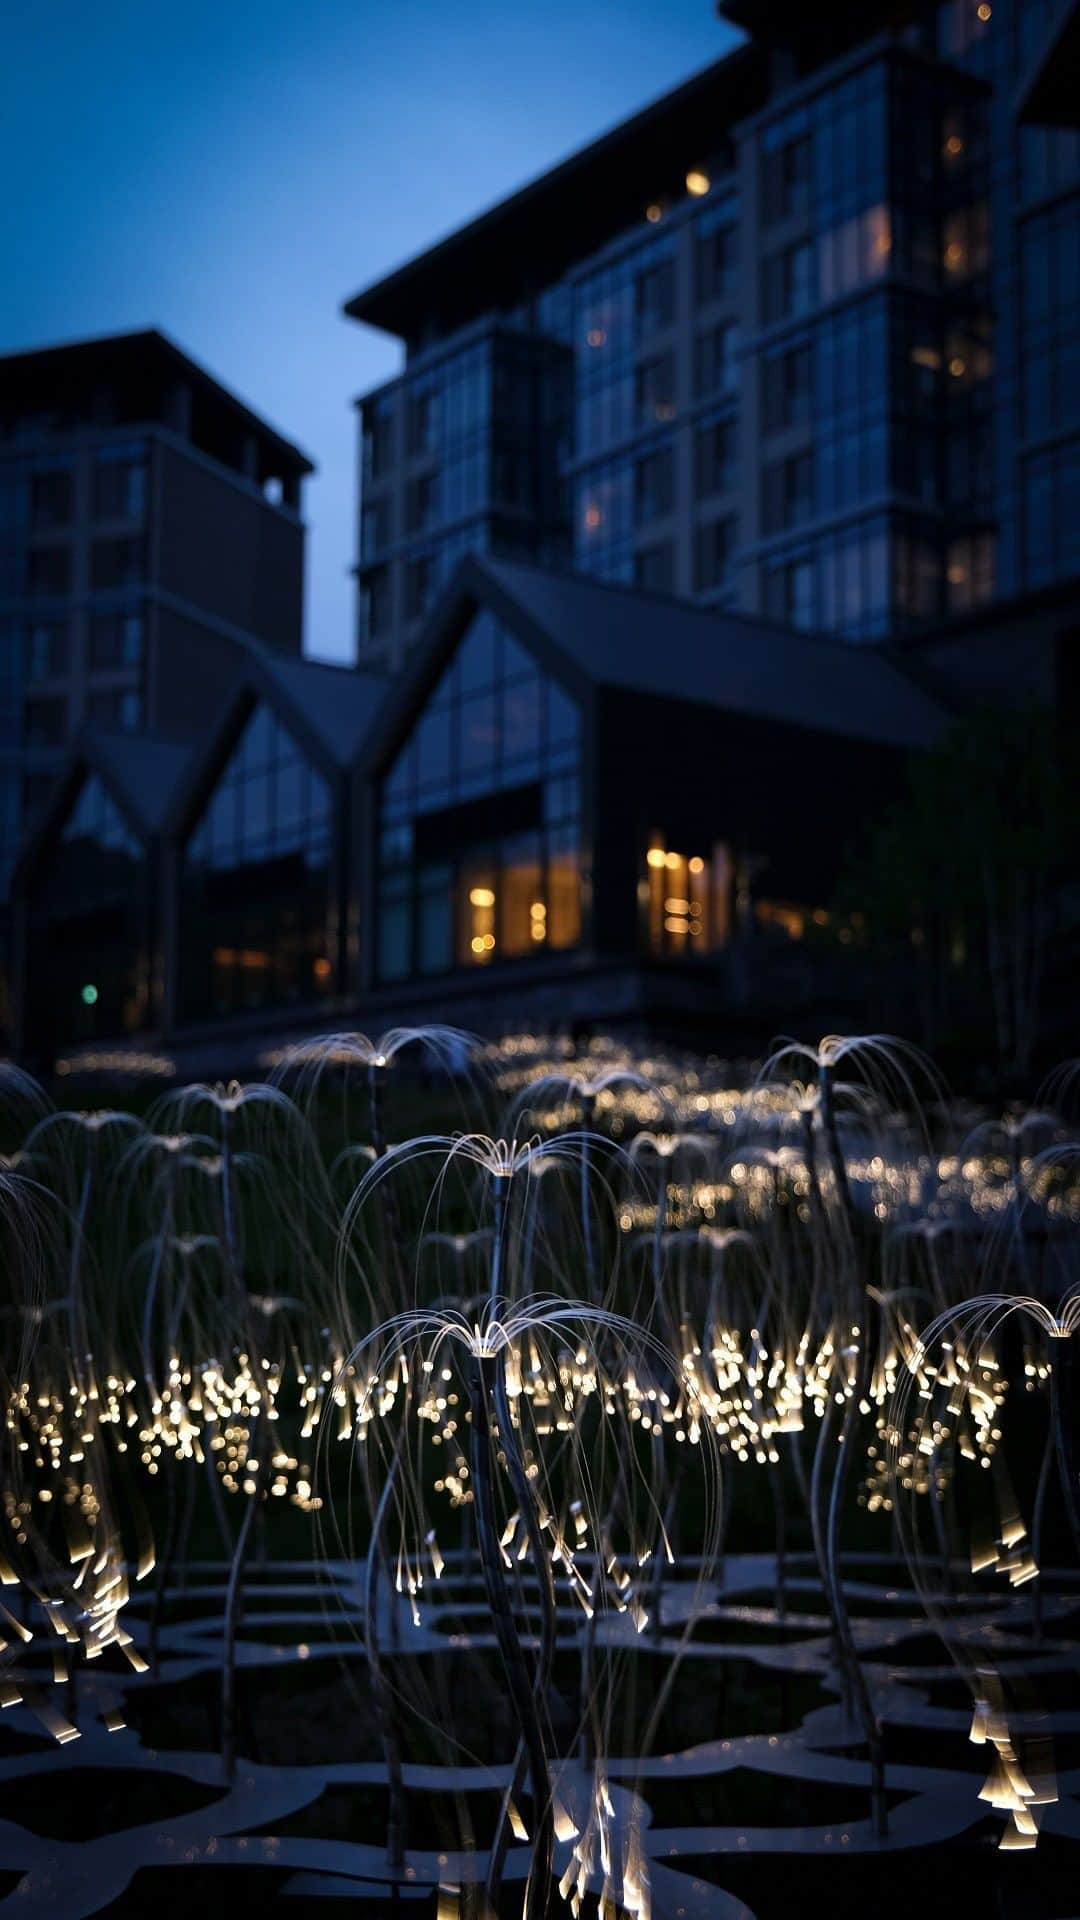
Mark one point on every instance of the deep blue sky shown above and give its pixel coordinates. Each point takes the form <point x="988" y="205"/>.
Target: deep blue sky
<point x="231" y="172"/>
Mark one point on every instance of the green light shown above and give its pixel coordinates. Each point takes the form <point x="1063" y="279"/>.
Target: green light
<point x="89" y="995"/>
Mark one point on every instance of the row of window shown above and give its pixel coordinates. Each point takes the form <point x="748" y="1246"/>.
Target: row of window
<point x="45" y="501"/>
<point x="864" y="248"/>
<point x="48" y="573"/>
<point x="47" y="717"/>
<point x="114" y="640"/>
<point x="863" y="579"/>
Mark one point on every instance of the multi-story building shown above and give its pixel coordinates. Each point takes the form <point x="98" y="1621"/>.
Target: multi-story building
<point x="799" y="339"/>
<point x="146" y="516"/>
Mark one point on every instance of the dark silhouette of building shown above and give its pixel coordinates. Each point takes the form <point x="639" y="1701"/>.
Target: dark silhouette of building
<point x="800" y="338"/>
<point x="145" y="513"/>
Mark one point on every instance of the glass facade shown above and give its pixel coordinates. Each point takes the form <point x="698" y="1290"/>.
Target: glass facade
<point x="87" y="972"/>
<point x="461" y="456"/>
<point x="256" y="904"/>
<point x="480" y="817"/>
<point x="858" y="326"/>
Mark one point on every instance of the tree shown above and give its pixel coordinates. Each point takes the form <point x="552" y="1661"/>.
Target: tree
<point x="966" y="874"/>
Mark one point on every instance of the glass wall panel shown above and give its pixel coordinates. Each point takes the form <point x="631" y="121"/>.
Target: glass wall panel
<point x="86" y="974"/>
<point x="480" y="817"/>
<point x="257" y="880"/>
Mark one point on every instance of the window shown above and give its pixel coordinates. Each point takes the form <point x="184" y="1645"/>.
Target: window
<point x="480" y="817"/>
<point x="788" y="286"/>
<point x="119" y="490"/>
<point x="714" y="457"/>
<point x="716" y="360"/>
<point x="654" y="298"/>
<point x="653" y="484"/>
<point x="966" y="243"/>
<point x="785" y="179"/>
<point x="419" y="586"/>
<point x="688" y="899"/>
<point x="420" y="502"/>
<point x="257" y="880"/>
<point x="789" y="592"/>
<point x="116" y="640"/>
<point x="48" y="572"/>
<point x="654" y="567"/>
<point x="422" y="421"/>
<point x="117" y="563"/>
<point x="856" y="252"/>
<point x="375" y="526"/>
<point x="714" y="547"/>
<point x="716" y="262"/>
<point x="119" y="707"/>
<point x="969" y="571"/>
<point x="51" y="498"/>
<point x="375" y="604"/>
<point x="654" y="389"/>
<point x="787" y="492"/>
<point x="45" y="721"/>
<point x="787" y="386"/>
<point x="377" y="443"/>
<point x="46" y="649"/>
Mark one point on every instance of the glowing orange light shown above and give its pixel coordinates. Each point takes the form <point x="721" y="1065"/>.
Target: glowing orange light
<point x="593" y="517"/>
<point x="481" y="897"/>
<point x="654" y="212"/>
<point x="697" y="182"/>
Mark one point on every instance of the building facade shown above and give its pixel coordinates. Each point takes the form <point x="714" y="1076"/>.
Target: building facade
<point x="145" y="514"/>
<point x="798" y="339"/>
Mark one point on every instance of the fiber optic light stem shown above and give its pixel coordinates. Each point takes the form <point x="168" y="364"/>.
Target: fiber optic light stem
<point x="483" y="1384"/>
<point x="1064" y="1385"/>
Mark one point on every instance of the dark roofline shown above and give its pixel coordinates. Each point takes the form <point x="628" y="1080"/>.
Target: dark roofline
<point x="258" y="681"/>
<point x="556" y="218"/>
<point x="152" y="340"/>
<point x="470" y="586"/>
<point x="86" y="757"/>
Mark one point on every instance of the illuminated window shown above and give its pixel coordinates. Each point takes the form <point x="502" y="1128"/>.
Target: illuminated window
<point x="687" y="899"/>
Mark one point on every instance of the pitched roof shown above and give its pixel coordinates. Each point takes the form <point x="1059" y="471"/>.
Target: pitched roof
<point x="652" y="644"/>
<point x="143" y="769"/>
<point x="337" y="703"/>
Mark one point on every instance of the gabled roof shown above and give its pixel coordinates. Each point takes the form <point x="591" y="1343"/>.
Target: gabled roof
<point x="337" y="703"/>
<point x="647" y="643"/>
<point x="142" y="772"/>
<point x="329" y="710"/>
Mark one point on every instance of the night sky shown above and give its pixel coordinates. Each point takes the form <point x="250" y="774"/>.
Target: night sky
<point x="232" y="172"/>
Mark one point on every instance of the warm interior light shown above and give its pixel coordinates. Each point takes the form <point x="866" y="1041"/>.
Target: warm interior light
<point x="697" y="182"/>
<point x="697" y="864"/>
<point x="957" y="367"/>
<point x="593" y="517"/>
<point x="481" y="897"/>
<point x="654" y="212"/>
<point x="984" y="10"/>
<point x="671" y="860"/>
<point x="954" y="145"/>
<point x="657" y="857"/>
<point x="321" y="968"/>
